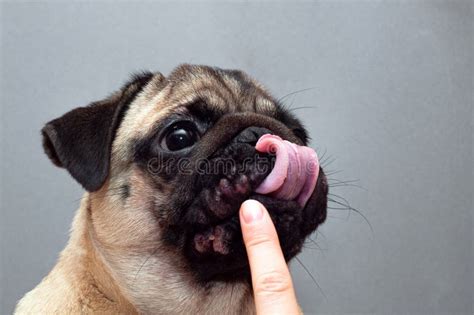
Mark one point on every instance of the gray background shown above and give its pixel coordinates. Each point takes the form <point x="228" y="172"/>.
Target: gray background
<point x="391" y="103"/>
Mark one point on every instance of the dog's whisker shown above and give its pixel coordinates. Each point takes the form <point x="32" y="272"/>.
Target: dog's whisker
<point x="345" y="185"/>
<point x="330" y="173"/>
<point x="304" y="107"/>
<point x="343" y="181"/>
<point x="312" y="277"/>
<point x="347" y="206"/>
<point x="321" y="157"/>
<point x="346" y="202"/>
<point x="319" y="232"/>
<point x="325" y="157"/>
<point x="316" y="244"/>
<point x="339" y="208"/>
<point x="347" y="210"/>
<point x="305" y="246"/>
<point x="336" y="217"/>
<point x="328" y="161"/>
<point x="294" y="92"/>
<point x="333" y="183"/>
<point x="143" y="264"/>
<point x="301" y="107"/>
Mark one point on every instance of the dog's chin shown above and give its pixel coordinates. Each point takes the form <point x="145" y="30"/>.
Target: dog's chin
<point x="214" y="246"/>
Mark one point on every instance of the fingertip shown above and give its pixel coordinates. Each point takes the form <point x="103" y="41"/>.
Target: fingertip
<point x="251" y="211"/>
<point x="251" y="203"/>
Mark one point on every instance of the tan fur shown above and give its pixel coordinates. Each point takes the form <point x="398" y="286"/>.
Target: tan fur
<point x="79" y="283"/>
<point x="114" y="262"/>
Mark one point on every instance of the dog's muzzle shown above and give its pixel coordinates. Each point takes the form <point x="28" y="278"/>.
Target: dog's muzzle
<point x="256" y="163"/>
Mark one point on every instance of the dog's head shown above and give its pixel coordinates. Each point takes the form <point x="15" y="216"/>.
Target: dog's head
<point x="168" y="162"/>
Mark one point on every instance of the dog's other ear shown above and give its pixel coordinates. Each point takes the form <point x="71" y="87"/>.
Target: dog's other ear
<point x="81" y="140"/>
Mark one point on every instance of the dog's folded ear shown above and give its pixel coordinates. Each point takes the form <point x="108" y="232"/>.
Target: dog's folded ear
<point x="81" y="140"/>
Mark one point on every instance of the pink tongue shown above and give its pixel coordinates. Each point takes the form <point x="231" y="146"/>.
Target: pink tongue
<point x="295" y="172"/>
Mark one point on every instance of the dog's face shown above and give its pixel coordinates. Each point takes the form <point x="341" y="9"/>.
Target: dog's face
<point x="168" y="162"/>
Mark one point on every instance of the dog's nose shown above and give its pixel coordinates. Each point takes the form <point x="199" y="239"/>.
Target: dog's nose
<point x="250" y="135"/>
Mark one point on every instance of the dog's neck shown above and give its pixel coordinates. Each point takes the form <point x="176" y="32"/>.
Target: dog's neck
<point x="96" y="276"/>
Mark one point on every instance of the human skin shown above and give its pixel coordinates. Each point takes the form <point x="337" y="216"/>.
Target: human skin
<point x="271" y="279"/>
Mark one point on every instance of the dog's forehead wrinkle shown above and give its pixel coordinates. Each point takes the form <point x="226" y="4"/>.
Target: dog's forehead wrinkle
<point x="189" y="91"/>
<point x="236" y="86"/>
<point x="211" y="97"/>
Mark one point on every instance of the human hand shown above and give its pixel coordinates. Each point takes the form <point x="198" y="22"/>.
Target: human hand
<point x="271" y="279"/>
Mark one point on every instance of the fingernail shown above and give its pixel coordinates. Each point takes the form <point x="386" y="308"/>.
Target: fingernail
<point x="252" y="211"/>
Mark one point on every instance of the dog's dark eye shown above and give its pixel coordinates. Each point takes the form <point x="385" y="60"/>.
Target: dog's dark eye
<point x="179" y="136"/>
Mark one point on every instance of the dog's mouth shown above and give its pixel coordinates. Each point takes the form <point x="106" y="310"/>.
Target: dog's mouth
<point x="272" y="171"/>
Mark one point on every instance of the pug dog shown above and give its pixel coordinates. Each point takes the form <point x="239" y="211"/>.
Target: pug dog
<point x="166" y="163"/>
